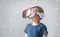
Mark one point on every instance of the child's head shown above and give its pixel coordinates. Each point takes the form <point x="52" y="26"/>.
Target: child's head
<point x="35" y="13"/>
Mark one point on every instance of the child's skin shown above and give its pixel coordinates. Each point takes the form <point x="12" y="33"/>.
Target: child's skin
<point x="35" y="20"/>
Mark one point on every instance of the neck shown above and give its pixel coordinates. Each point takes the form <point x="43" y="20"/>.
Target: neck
<point x="35" y="23"/>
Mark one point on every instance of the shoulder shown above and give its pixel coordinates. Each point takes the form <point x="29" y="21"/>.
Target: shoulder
<point x="42" y="25"/>
<point x="28" y="25"/>
<point x="44" y="29"/>
<point x="27" y="28"/>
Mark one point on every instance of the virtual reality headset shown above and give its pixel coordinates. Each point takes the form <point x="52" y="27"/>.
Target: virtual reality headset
<point x="31" y="12"/>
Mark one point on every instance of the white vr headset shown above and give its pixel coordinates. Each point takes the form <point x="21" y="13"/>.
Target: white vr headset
<point x="31" y="13"/>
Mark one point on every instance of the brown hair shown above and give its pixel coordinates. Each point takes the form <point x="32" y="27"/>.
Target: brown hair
<point x="39" y="9"/>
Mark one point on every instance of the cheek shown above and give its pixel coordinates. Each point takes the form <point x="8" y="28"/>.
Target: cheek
<point x="34" y="19"/>
<point x="31" y="19"/>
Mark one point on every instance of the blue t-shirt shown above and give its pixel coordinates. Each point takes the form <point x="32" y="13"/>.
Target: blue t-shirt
<point x="36" y="31"/>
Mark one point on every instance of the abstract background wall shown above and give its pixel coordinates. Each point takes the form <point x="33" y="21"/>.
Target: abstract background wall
<point x="12" y="24"/>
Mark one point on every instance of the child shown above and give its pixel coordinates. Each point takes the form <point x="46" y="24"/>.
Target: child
<point x="36" y="28"/>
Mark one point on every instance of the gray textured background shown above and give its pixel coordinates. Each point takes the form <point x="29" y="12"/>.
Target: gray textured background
<point x="12" y="24"/>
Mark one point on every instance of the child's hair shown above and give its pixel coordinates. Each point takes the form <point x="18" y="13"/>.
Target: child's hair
<point x="39" y="9"/>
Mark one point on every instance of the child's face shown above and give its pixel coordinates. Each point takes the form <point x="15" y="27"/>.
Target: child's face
<point x="36" y="18"/>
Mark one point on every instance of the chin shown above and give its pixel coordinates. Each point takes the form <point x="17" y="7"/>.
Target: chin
<point x="35" y="21"/>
